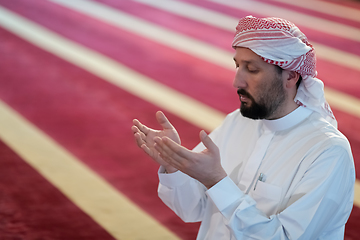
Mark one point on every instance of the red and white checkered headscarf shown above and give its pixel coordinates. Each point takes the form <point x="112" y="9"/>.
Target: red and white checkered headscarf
<point x="280" y="42"/>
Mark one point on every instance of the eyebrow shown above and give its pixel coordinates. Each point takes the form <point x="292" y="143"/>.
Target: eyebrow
<point x="246" y="61"/>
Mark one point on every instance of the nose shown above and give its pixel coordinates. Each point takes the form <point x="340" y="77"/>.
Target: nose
<point x="239" y="79"/>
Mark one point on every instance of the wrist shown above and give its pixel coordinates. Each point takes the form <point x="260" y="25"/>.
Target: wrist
<point x="170" y="169"/>
<point x="213" y="181"/>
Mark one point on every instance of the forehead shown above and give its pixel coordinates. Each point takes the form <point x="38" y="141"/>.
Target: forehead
<point x="246" y="55"/>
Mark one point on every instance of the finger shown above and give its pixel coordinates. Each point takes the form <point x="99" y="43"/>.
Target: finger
<point x="175" y="148"/>
<point x="163" y="121"/>
<point x="146" y="149"/>
<point x="208" y="143"/>
<point x="151" y="153"/>
<point x="136" y="130"/>
<point x="167" y="153"/>
<point x="139" y="140"/>
<point x="161" y="147"/>
<point x="141" y="126"/>
<point x="174" y="161"/>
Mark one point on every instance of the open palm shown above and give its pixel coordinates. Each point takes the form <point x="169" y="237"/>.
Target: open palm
<point x="144" y="137"/>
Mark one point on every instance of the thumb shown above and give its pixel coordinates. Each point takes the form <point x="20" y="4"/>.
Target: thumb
<point x="208" y="143"/>
<point x="163" y="121"/>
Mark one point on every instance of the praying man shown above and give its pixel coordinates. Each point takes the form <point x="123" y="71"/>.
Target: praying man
<point x="277" y="168"/>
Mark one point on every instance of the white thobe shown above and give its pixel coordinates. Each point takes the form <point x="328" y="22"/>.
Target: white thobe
<point x="305" y="190"/>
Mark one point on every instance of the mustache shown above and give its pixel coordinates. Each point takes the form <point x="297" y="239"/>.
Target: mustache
<point x="244" y="93"/>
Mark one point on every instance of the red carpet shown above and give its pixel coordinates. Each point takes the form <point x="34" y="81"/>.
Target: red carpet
<point x="86" y="115"/>
<point x="91" y="118"/>
<point x="32" y="208"/>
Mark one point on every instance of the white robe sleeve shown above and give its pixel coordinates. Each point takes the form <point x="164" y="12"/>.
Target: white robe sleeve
<point x="322" y="198"/>
<point x="183" y="194"/>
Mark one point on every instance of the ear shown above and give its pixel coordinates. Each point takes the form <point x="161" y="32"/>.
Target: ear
<point x="292" y="79"/>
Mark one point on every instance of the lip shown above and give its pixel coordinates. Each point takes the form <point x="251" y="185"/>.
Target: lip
<point x="243" y="98"/>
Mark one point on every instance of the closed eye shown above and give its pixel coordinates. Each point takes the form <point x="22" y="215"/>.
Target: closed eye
<point x="236" y="64"/>
<point x="252" y="70"/>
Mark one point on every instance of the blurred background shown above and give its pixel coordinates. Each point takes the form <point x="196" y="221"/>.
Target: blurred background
<point x="74" y="73"/>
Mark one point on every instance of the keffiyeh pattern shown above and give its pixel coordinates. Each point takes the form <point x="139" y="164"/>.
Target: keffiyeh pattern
<point x="279" y="42"/>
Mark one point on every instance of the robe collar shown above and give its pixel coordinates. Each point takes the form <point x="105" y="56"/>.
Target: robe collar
<point x="288" y="121"/>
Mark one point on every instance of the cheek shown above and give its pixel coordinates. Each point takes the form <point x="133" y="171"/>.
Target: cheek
<point x="270" y="88"/>
<point x="261" y="90"/>
<point x="256" y="88"/>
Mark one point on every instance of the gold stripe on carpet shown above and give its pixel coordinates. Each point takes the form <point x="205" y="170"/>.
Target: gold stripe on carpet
<point x="187" y="44"/>
<point x="106" y="205"/>
<point x="203" y="50"/>
<point x="327" y="7"/>
<point x="301" y="19"/>
<point x="177" y="103"/>
<point x="109" y="70"/>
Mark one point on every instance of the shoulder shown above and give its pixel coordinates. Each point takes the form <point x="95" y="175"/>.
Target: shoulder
<point x="321" y="136"/>
<point x="329" y="133"/>
<point x="311" y="138"/>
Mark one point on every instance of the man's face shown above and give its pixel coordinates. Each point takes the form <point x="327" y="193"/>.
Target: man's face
<point x="260" y="86"/>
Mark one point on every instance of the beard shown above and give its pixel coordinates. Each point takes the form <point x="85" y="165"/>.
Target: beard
<point x="272" y="97"/>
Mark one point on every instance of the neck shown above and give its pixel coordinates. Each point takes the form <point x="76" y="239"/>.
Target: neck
<point x="284" y="110"/>
<point x="286" y="107"/>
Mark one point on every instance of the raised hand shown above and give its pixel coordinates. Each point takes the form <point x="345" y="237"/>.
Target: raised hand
<point x="144" y="137"/>
<point x="204" y="166"/>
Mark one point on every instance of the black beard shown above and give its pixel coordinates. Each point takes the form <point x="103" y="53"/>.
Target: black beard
<point x="272" y="97"/>
<point x="256" y="110"/>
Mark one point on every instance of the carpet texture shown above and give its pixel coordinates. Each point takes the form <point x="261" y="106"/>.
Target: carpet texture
<point x="91" y="118"/>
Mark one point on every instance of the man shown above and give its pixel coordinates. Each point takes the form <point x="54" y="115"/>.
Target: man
<point x="276" y="169"/>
